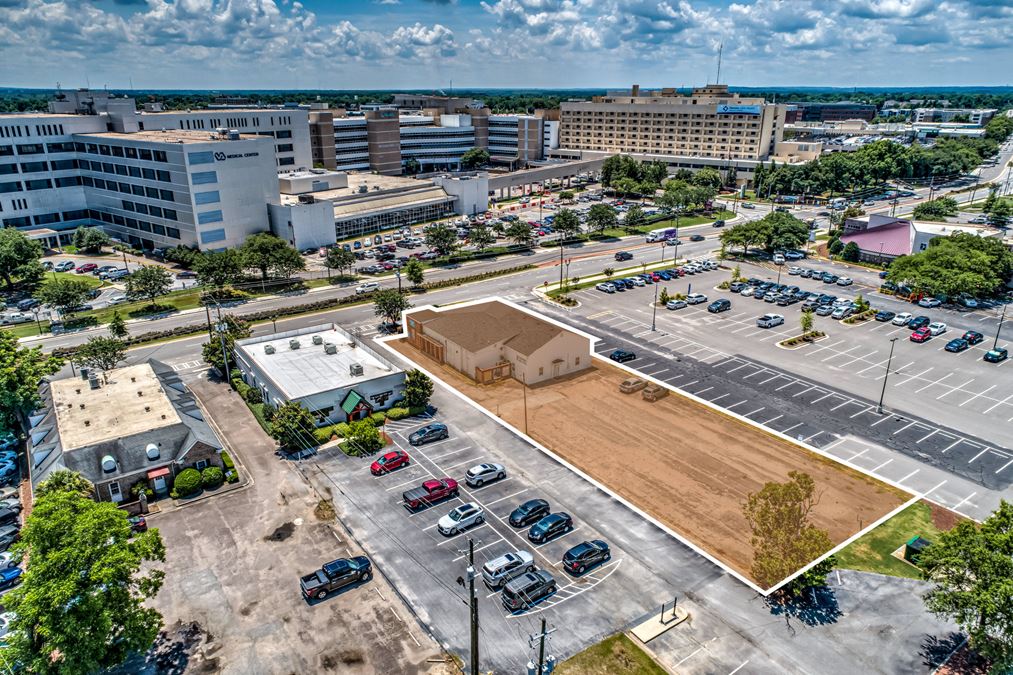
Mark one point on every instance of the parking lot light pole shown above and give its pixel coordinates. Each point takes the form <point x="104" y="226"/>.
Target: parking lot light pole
<point x="882" y="393"/>
<point x="654" y="315"/>
<point x="998" y="329"/>
<point x="35" y="311"/>
<point x="473" y="607"/>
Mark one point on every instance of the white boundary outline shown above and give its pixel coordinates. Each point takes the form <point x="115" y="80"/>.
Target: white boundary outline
<point x="607" y="490"/>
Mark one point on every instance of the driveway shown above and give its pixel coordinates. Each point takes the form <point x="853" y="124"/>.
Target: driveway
<point x="233" y="564"/>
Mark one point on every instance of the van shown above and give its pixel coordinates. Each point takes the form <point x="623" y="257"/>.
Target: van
<point x="499" y="571"/>
<point x="527" y="589"/>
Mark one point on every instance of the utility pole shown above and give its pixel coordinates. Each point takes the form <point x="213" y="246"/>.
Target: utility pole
<point x="882" y="393"/>
<point x="544" y="665"/>
<point x="654" y="315"/>
<point x="998" y="329"/>
<point x="473" y="607"/>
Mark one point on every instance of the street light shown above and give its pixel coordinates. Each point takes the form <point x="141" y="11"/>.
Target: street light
<point x="995" y="345"/>
<point x="654" y="314"/>
<point x="35" y="311"/>
<point x="882" y="393"/>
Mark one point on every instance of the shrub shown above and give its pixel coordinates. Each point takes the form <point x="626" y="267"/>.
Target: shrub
<point x="187" y="482"/>
<point x="363" y="438"/>
<point x="242" y="388"/>
<point x="252" y="395"/>
<point x="227" y="460"/>
<point x="212" y="477"/>
<point x="397" y="413"/>
<point x="141" y="486"/>
<point x="378" y="418"/>
<point x="232" y="476"/>
<point x="417" y="410"/>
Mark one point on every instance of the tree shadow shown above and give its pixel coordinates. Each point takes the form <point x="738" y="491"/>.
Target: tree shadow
<point x="813" y="607"/>
<point x="935" y="650"/>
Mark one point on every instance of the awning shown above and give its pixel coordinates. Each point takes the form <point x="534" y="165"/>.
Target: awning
<point x="351" y="402"/>
<point x="157" y="473"/>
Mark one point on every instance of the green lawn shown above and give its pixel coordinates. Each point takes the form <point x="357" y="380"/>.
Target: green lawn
<point x="871" y="552"/>
<point x="692" y="220"/>
<point x="92" y="280"/>
<point x="617" y="655"/>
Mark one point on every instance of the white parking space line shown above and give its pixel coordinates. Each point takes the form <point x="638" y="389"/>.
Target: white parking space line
<point x="462" y="462"/>
<point x="813" y="436"/>
<point x="794" y="426"/>
<point x="446" y="454"/>
<point x="776" y="376"/>
<point x="882" y="465"/>
<point x="467" y="532"/>
<point x="827" y="395"/>
<point x="697" y="393"/>
<point x="841" y="405"/>
<point x="979" y="394"/>
<point x="950" y="446"/>
<point x="741" y="666"/>
<point x="772" y="419"/>
<point x="401" y="485"/>
<point x="905" y="427"/>
<point x="913" y="377"/>
<point x="1004" y="466"/>
<point x="744" y="365"/>
<point x="806" y="391"/>
<point x="862" y="412"/>
<point x="480" y="548"/>
<point x="834" y="356"/>
<point x="788" y="385"/>
<point x="958" y="387"/>
<point x="858" y="454"/>
<point x="886" y="418"/>
<point x="718" y="398"/>
<point x="931" y="384"/>
<point x="755" y="411"/>
<point x="927" y="436"/>
<point x="729" y="407"/>
<point x="998" y="403"/>
<point x="909" y="475"/>
<point x="761" y="370"/>
<point x="690" y="384"/>
<point x="964" y="500"/>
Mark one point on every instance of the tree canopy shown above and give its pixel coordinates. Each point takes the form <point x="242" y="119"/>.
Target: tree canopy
<point x="520" y="233"/>
<point x="217" y="269"/>
<point x="339" y="259"/>
<point x="474" y="158"/>
<point x="90" y="239"/>
<point x="441" y="238"/>
<point x="601" y="217"/>
<point x="21" y="370"/>
<point x="269" y="254"/>
<point x="19" y="257"/>
<point x="64" y="293"/>
<point x="234" y="329"/>
<point x="937" y="209"/>
<point x="388" y="303"/>
<point x="150" y="281"/>
<point x="776" y="230"/>
<point x="102" y="353"/>
<point x="567" y="223"/>
<point x="481" y="236"/>
<point x="292" y="426"/>
<point x="959" y="263"/>
<point x="417" y="388"/>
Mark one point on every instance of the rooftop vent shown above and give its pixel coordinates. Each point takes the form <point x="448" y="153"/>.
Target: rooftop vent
<point x="233" y="135"/>
<point x="108" y="464"/>
<point x="152" y="451"/>
<point x="84" y="373"/>
<point x="293" y="344"/>
<point x="269" y="349"/>
<point x="140" y="393"/>
<point x="355" y="369"/>
<point x="147" y="408"/>
<point x="330" y="348"/>
<point x="133" y="379"/>
<point x="317" y="340"/>
<point x="87" y="423"/>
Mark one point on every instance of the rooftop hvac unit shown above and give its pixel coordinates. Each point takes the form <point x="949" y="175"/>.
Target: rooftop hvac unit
<point x="233" y="135"/>
<point x="151" y="450"/>
<point x="330" y="348"/>
<point x="84" y="373"/>
<point x="317" y="340"/>
<point x="293" y="344"/>
<point x="93" y="382"/>
<point x="269" y="349"/>
<point x="307" y="199"/>
<point x="355" y="369"/>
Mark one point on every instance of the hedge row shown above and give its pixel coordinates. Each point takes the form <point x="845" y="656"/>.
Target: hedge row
<point x="324" y="434"/>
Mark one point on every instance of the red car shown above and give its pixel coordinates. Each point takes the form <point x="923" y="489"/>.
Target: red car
<point x="656" y="277"/>
<point x="87" y="267"/>
<point x="389" y="462"/>
<point x="921" y="335"/>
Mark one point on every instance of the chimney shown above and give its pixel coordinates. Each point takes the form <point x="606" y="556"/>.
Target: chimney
<point x="635" y="91"/>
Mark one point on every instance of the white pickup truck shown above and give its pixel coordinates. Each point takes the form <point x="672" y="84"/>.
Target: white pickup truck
<point x="769" y="320"/>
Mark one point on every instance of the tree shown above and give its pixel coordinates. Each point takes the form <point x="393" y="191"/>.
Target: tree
<point x="519" y="232"/>
<point x="954" y="265"/>
<point x="836" y="246"/>
<point x="363" y="437"/>
<point x="90" y="239"/>
<point x="937" y="209"/>
<point x="412" y="166"/>
<point x="389" y="303"/>
<point x="339" y="259"/>
<point x="21" y="370"/>
<point x="118" y="327"/>
<point x="634" y="218"/>
<point x="1001" y="214"/>
<point x="149" y="282"/>
<point x="414" y="272"/>
<point x="627" y="186"/>
<point x="102" y="353"/>
<point x="88" y="569"/>
<point x="608" y="272"/>
<point x="654" y="173"/>
<point x="474" y="158"/>
<point x="292" y="426"/>
<point x="19" y="256"/>
<point x="64" y="480"/>
<point x="233" y="329"/>
<point x="707" y="177"/>
<point x="441" y="238"/>
<point x="481" y="236"/>
<point x="851" y="252"/>
<point x="601" y="217"/>
<point x="567" y="224"/>
<point x="418" y="388"/>
<point x="806" y="322"/>
<point x="991" y="199"/>
<point x="619" y="167"/>
<point x="218" y="269"/>
<point x="566" y="195"/>
<point x="971" y="566"/>
<point x="267" y="253"/>
<point x="783" y="539"/>
<point x="65" y="294"/>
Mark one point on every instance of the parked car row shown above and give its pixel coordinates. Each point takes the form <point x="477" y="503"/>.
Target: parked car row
<point x="620" y="285"/>
<point x="825" y="277"/>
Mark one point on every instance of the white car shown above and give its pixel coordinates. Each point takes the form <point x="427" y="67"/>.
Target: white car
<point x="978" y="220"/>
<point x="637" y="281"/>
<point x="929" y="302"/>
<point x="748" y="291"/>
<point x="842" y="312"/>
<point x="968" y="302"/>
<point x="675" y="304"/>
<point x="480" y="474"/>
<point x="500" y="570"/>
<point x="770" y="320"/>
<point x="747" y="205"/>
<point x="460" y="519"/>
<point x="605" y="288"/>
<point x="118" y="300"/>
<point x="937" y="327"/>
<point x="902" y="319"/>
<point x="15" y="317"/>
<point x="794" y="255"/>
<point x="696" y="298"/>
<point x="794" y="270"/>
<point x="844" y="281"/>
<point x="778" y="259"/>
<point x="367" y="287"/>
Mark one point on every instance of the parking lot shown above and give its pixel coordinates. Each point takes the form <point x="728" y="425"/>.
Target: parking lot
<point x="943" y="402"/>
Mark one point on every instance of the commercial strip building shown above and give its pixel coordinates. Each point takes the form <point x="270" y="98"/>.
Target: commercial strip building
<point x="829" y="112"/>
<point x="860" y="130"/>
<point x="882" y="238"/>
<point x="332" y="373"/>
<point x="978" y="117"/>
<point x="135" y="424"/>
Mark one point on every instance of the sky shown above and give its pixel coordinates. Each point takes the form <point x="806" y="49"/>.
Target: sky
<point x="436" y="44"/>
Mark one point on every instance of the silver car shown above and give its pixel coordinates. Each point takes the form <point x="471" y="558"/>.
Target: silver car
<point x="499" y="571"/>
<point x="481" y="474"/>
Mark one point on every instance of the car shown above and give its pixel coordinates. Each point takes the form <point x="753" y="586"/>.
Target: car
<point x="605" y="288"/>
<point x="14" y="318"/>
<point x="748" y="291"/>
<point x="696" y="298"/>
<point x="844" y="281"/>
<point x="842" y="312"/>
<point x="10" y="577"/>
<point x="885" y="315"/>
<point x="499" y="571"/>
<point x="929" y="302"/>
<point x="8" y="535"/>
<point x="65" y="266"/>
<point x="697" y="237"/>
<point x="460" y="519"/>
<point x="480" y="474"/>
<point x="902" y="319"/>
<point x="830" y="278"/>
<point x="118" y="274"/>
<point x="8" y="559"/>
<point x="973" y="337"/>
<point x="919" y="322"/>
<point x="806" y="274"/>
<point x="334" y="576"/>
<point x="794" y="255"/>
<point x="937" y="328"/>
<point x="921" y="335"/>
<point x="718" y="223"/>
<point x="527" y="589"/>
<point x="623" y="255"/>
<point x="586" y="555"/>
<point x="27" y="304"/>
<point x="770" y="296"/>
<point x="736" y="286"/>
<point x="747" y="205"/>
<point x="186" y="274"/>
<point x="769" y="320"/>
<point x="389" y="462"/>
<point x="794" y="270"/>
<point x="550" y="526"/>
<point x="622" y="356"/>
<point x="825" y="310"/>
<point x="992" y="356"/>
<point x="969" y="303"/>
<point x="529" y="512"/>
<point x="779" y="259"/>
<point x="956" y="345"/>
<point x="676" y="304"/>
<point x="721" y="305"/>
<point x="637" y="281"/>
<point x="87" y="267"/>
<point x="429" y="434"/>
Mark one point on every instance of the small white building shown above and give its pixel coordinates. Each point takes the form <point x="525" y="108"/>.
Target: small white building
<point x="332" y="373"/>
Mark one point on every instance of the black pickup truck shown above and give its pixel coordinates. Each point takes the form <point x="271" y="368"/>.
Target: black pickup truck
<point x="335" y="575"/>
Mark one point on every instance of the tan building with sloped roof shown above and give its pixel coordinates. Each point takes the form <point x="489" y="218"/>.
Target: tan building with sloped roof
<point x="493" y="340"/>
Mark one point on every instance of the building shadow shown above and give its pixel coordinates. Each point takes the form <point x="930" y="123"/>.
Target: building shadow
<point x="814" y="607"/>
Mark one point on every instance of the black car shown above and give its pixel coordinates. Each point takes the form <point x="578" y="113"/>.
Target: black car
<point x="830" y="278"/>
<point x="973" y="337"/>
<point x="996" y="355"/>
<point x="719" y="223"/>
<point x="529" y="512"/>
<point x="622" y="356"/>
<point x="721" y="305"/>
<point x="550" y="526"/>
<point x="885" y="315"/>
<point x="919" y="322"/>
<point x="8" y="516"/>
<point x="586" y="555"/>
<point x="27" y="304"/>
<point x="957" y="345"/>
<point x="623" y="255"/>
<point x="429" y="433"/>
<point x="527" y="589"/>
<point x="697" y="237"/>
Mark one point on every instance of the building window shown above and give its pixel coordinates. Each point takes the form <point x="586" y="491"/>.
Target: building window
<point x="286" y="161"/>
<point x="160" y="156"/>
<point x="204" y="177"/>
<point x="209" y="217"/>
<point x="576" y="361"/>
<point x="201" y="464"/>
<point x="284" y="133"/>
<point x="201" y="157"/>
<point x="114" y="492"/>
<point x="43" y="184"/>
<point x="541" y="370"/>
<point x="207" y="197"/>
<point x="212" y="236"/>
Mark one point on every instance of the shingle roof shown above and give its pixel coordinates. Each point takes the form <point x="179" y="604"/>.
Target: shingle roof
<point x="479" y="326"/>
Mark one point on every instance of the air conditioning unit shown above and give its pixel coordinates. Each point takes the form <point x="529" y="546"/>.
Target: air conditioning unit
<point x="269" y="349"/>
<point x="317" y="340"/>
<point x="293" y="344"/>
<point x="355" y="369"/>
<point x="330" y="348"/>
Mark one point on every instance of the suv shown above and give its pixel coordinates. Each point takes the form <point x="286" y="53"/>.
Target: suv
<point x="529" y="512"/>
<point x="498" y="571"/>
<point x="585" y="555"/>
<point x="623" y="255"/>
<point x="696" y="298"/>
<point x="996" y="355"/>
<point x="721" y="305"/>
<point x="622" y="356"/>
<point x="481" y="474"/>
<point x="367" y="287"/>
<point x="550" y="526"/>
<point x="770" y="320"/>
<point x="528" y="589"/>
<point x="429" y="433"/>
<point x="460" y="519"/>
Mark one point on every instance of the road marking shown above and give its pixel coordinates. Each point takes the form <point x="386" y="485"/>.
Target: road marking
<point x="772" y="419"/>
<point x="828" y="394"/>
<point x="905" y="427"/>
<point x="761" y="370"/>
<point x="927" y="436"/>
<point x="997" y="404"/>
<point x="1004" y="466"/>
<point x="977" y="456"/>
<point x="496" y="501"/>
<point x="913" y="377"/>
<point x="741" y="666"/>
<point x="736" y="404"/>
<point x="980" y="393"/>
<point x="697" y="393"/>
<point x="858" y="454"/>
<point x="918" y="391"/>
<point x="886" y="418"/>
<point x="806" y="391"/>
<point x="690" y="384"/>
<point x="813" y="436"/>
<point x="909" y="475"/>
<point x="950" y="446"/>
<point x="960" y="387"/>
<point x="718" y="398"/>
<point x="881" y="465"/>
<point x="446" y="454"/>
<point x="862" y="412"/>
<point x="961" y="502"/>
<point x="788" y="385"/>
<point x="754" y="412"/>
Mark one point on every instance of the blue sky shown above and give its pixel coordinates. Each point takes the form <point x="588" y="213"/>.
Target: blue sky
<point x="422" y="44"/>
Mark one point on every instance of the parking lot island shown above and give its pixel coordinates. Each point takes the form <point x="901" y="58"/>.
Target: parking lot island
<point x="687" y="465"/>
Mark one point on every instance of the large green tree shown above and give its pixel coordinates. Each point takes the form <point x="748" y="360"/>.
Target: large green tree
<point x="414" y="272"/>
<point x="339" y="259"/>
<point x="601" y="217"/>
<point x="474" y="158"/>
<point x="707" y="177"/>
<point x="64" y="480"/>
<point x="567" y="224"/>
<point x="64" y="293"/>
<point x="150" y="282"/>
<point x="118" y="327"/>
<point x="971" y="567"/>
<point x="19" y="257"/>
<point x="634" y="218"/>
<point x="270" y="255"/>
<point x="233" y="329"/>
<point x="950" y="266"/>
<point x="619" y="167"/>
<point x="292" y="426"/>
<point x="21" y="370"/>
<point x="81" y="607"/>
<point x="389" y="303"/>
<point x="1001" y="213"/>
<point x="937" y="209"/>
<point x="90" y="239"/>
<point x="217" y="269"/>
<point x="101" y="353"/>
<point x="441" y="238"/>
<point x="481" y="237"/>
<point x="520" y="233"/>
<point x="418" y="388"/>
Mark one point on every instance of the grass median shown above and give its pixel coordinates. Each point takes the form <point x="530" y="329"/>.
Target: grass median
<point x="617" y="655"/>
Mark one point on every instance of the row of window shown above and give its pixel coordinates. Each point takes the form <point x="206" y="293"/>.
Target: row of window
<point x="135" y="224"/>
<point x="150" y="209"/>
<point x="48" y="218"/>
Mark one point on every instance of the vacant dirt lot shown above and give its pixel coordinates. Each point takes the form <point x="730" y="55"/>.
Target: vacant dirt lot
<point x="687" y="465"/>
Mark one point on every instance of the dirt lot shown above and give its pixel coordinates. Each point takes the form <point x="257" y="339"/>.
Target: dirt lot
<point x="687" y="465"/>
